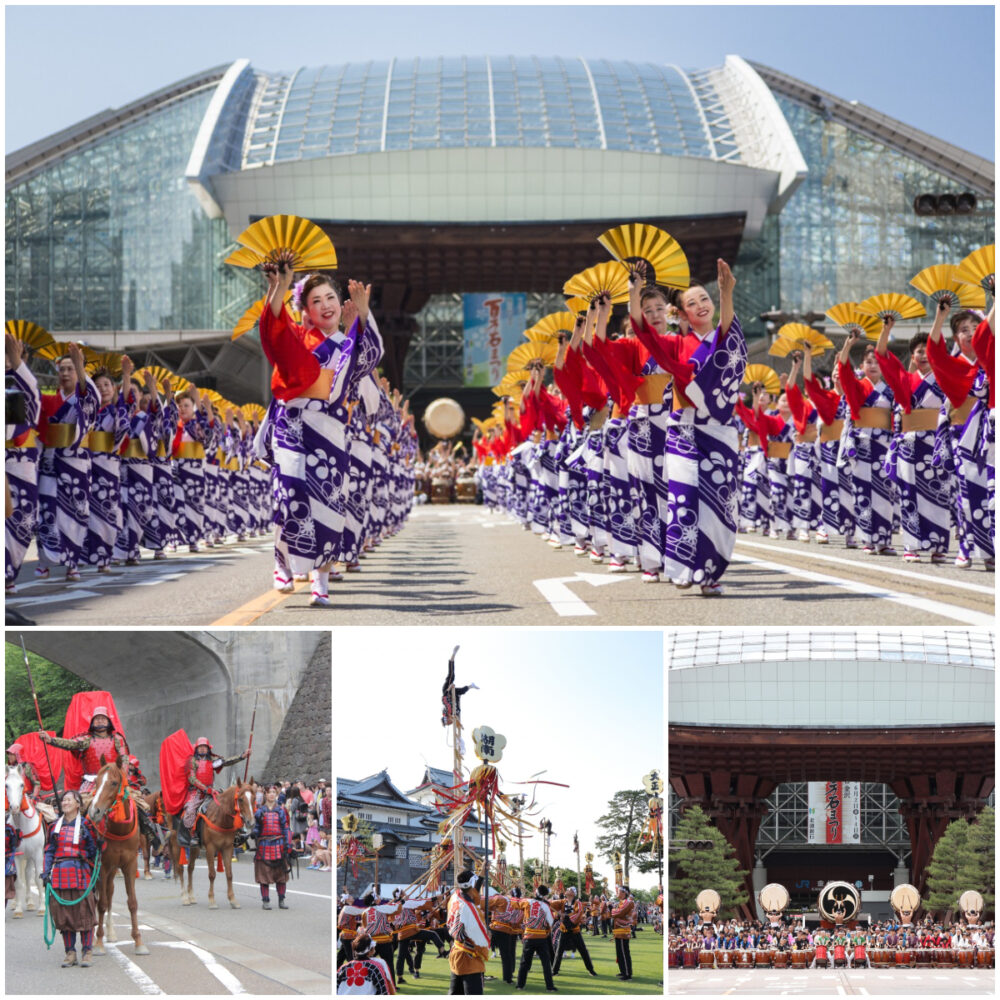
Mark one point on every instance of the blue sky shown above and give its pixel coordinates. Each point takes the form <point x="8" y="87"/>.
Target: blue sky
<point x="931" y="67"/>
<point x="586" y="706"/>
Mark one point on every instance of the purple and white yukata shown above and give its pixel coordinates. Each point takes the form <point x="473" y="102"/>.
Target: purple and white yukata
<point x="702" y="459"/>
<point x="141" y="521"/>
<point x="21" y="466"/>
<point x="106" y="484"/>
<point x="64" y="483"/>
<point x="807" y="493"/>
<point x="164" y="489"/>
<point x="190" y="483"/>
<point x="835" y="483"/>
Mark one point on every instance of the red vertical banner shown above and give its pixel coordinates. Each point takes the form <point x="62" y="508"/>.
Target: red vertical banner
<point x="834" y="800"/>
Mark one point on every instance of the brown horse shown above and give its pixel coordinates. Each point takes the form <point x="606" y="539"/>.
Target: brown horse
<point x="114" y="811"/>
<point x="153" y="803"/>
<point x="218" y="822"/>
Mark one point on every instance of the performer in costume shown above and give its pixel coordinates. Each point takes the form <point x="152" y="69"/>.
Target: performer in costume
<point x="99" y="744"/>
<point x="161" y="461"/>
<point x="111" y="424"/>
<point x="505" y="910"/>
<point x="702" y="442"/>
<point x="807" y="494"/>
<point x="12" y="840"/>
<point x="15" y="757"/>
<point x="865" y="444"/>
<point x="21" y="462"/>
<point x="64" y="476"/>
<point x="924" y="491"/>
<point x="71" y="852"/>
<point x="274" y="845"/>
<point x="365" y="974"/>
<point x="621" y="930"/>
<point x="316" y="368"/>
<point x="571" y="939"/>
<point x="201" y="771"/>
<point x="538" y="923"/>
<point x="188" y="451"/>
<point x="376" y="924"/>
<point x="141" y="522"/>
<point x="471" y="947"/>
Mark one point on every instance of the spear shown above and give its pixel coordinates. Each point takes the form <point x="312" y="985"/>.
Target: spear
<point x="38" y="713"/>
<point x="253" y="718"/>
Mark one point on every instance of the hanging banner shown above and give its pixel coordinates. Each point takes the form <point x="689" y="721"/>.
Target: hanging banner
<point x="493" y="323"/>
<point x="834" y="812"/>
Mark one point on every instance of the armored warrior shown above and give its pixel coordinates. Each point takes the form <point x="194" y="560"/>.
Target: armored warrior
<point x="15" y="756"/>
<point x="201" y="769"/>
<point x="100" y="744"/>
<point x="274" y="844"/>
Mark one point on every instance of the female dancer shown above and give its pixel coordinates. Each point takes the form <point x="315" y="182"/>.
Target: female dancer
<point x="21" y="462"/>
<point x="702" y="442"/>
<point x="141" y="524"/>
<point x="807" y="496"/>
<point x="70" y="855"/>
<point x="193" y="431"/>
<point x="316" y="366"/>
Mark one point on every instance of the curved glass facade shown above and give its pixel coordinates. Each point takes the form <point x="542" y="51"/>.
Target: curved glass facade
<point x="463" y="101"/>
<point x="111" y="237"/>
<point x="850" y="230"/>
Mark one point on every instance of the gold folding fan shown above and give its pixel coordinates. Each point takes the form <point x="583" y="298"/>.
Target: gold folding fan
<point x="789" y="336"/>
<point x="109" y="360"/>
<point x="58" y="349"/>
<point x="978" y="267"/>
<point x="483" y="425"/>
<point x="939" y="280"/>
<point x="539" y="336"/>
<point x="665" y="260"/>
<point x="279" y="234"/>
<point x="253" y="411"/>
<point x="514" y="380"/>
<point x="893" y="304"/>
<point x="243" y="257"/>
<point x="159" y="373"/>
<point x="556" y="323"/>
<point x="761" y="373"/>
<point x="252" y="317"/>
<point x="524" y="354"/>
<point x="30" y="334"/>
<point x="576" y="304"/>
<point x="848" y="316"/>
<point x="610" y="276"/>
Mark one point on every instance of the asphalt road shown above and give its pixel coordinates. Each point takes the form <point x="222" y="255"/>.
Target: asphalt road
<point x="819" y="982"/>
<point x="463" y="564"/>
<point x="193" y="950"/>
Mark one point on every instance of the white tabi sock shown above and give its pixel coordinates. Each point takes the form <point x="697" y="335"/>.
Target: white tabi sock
<point x="320" y="581"/>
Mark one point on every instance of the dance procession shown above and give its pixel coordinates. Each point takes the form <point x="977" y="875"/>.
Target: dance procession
<point x="79" y="811"/>
<point x="468" y="903"/>
<point x="117" y="459"/>
<point x="841" y="940"/>
<point x="657" y="443"/>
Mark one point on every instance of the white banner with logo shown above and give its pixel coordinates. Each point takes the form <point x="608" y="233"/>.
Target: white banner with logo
<point x="834" y="812"/>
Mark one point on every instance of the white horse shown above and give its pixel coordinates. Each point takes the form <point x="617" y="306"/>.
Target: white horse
<point x="27" y="820"/>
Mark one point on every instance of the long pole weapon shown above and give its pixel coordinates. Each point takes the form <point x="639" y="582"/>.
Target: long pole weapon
<point x="576" y="848"/>
<point x="520" y="842"/>
<point x="456" y="727"/>
<point x="253" y="719"/>
<point x="38" y="713"/>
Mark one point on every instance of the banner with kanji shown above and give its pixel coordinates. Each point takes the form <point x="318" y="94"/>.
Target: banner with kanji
<point x="493" y="326"/>
<point x="834" y="812"/>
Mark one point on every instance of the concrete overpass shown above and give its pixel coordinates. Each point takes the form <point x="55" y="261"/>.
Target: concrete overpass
<point x="204" y="682"/>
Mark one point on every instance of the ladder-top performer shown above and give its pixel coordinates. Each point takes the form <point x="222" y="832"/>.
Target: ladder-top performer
<point x="316" y="368"/>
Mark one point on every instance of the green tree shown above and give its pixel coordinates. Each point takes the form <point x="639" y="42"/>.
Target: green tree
<point x="951" y="856"/>
<point x="54" y="685"/>
<point x="696" y="870"/>
<point x="979" y="872"/>
<point x="623" y="823"/>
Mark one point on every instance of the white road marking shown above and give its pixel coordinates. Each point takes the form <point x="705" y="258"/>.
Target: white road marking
<point x="69" y="595"/>
<point x="210" y="962"/>
<point x="290" y="892"/>
<point x="564" y="602"/>
<point x="162" y="578"/>
<point x="952" y="611"/>
<point x="938" y="581"/>
<point x="145" y="984"/>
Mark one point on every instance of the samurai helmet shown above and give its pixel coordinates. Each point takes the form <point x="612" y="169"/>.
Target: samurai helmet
<point x="202" y="741"/>
<point x="17" y="750"/>
<point x="99" y="710"/>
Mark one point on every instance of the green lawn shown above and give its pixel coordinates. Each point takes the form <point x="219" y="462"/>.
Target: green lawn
<point x="573" y="978"/>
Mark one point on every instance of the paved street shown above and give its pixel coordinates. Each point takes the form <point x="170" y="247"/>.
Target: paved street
<point x="193" y="950"/>
<point x="464" y="564"/>
<point x="818" y="982"/>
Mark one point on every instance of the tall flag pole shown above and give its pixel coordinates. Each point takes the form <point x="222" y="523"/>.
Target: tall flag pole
<point x="41" y="727"/>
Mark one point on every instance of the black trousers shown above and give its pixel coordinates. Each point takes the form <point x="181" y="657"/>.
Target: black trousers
<point x="572" y="942"/>
<point x="383" y="949"/>
<point x="595" y="925"/>
<point x="470" y="985"/>
<point x="423" y="938"/>
<point x="531" y="947"/>
<point x="623" y="956"/>
<point x="404" y="955"/>
<point x="507" y="946"/>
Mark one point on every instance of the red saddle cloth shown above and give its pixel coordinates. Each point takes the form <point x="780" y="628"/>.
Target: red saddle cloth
<point x="175" y="752"/>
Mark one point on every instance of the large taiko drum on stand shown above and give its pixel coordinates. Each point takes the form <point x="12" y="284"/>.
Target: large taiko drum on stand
<point x="822" y="955"/>
<point x="839" y="954"/>
<point x="691" y="958"/>
<point x="706" y="959"/>
<point x="923" y="956"/>
<point x="465" y="489"/>
<point x="944" y="958"/>
<point x="985" y="958"/>
<point x="444" y="418"/>
<point x="723" y="958"/>
<point x="673" y="959"/>
<point x="800" y="960"/>
<point x="881" y="958"/>
<point x="744" y="959"/>
<point x="904" y="957"/>
<point x="441" y="489"/>
<point x="964" y="958"/>
<point x="762" y="958"/>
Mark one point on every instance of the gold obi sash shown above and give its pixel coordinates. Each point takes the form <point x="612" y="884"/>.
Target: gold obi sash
<point x="961" y="413"/>
<point x="810" y="435"/>
<point x="831" y="432"/>
<point x="650" y="393"/>
<point x="161" y="450"/>
<point x="876" y="417"/>
<point x="923" y="419"/>
<point x="753" y="440"/>
<point x="681" y="402"/>
<point x="102" y="441"/>
<point x="597" y="419"/>
<point x="59" y="435"/>
<point x="779" y="449"/>
<point x="30" y="440"/>
<point x="190" y="449"/>
<point x="134" y="449"/>
<point x="321" y="388"/>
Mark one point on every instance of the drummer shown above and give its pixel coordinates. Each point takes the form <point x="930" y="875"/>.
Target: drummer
<point x="859" y="953"/>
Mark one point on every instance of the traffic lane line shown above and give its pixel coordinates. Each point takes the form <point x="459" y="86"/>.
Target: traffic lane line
<point x="141" y="980"/>
<point x="912" y="601"/>
<point x="288" y="892"/>
<point x="248" y="613"/>
<point x="224" y="976"/>
<point x="876" y="567"/>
